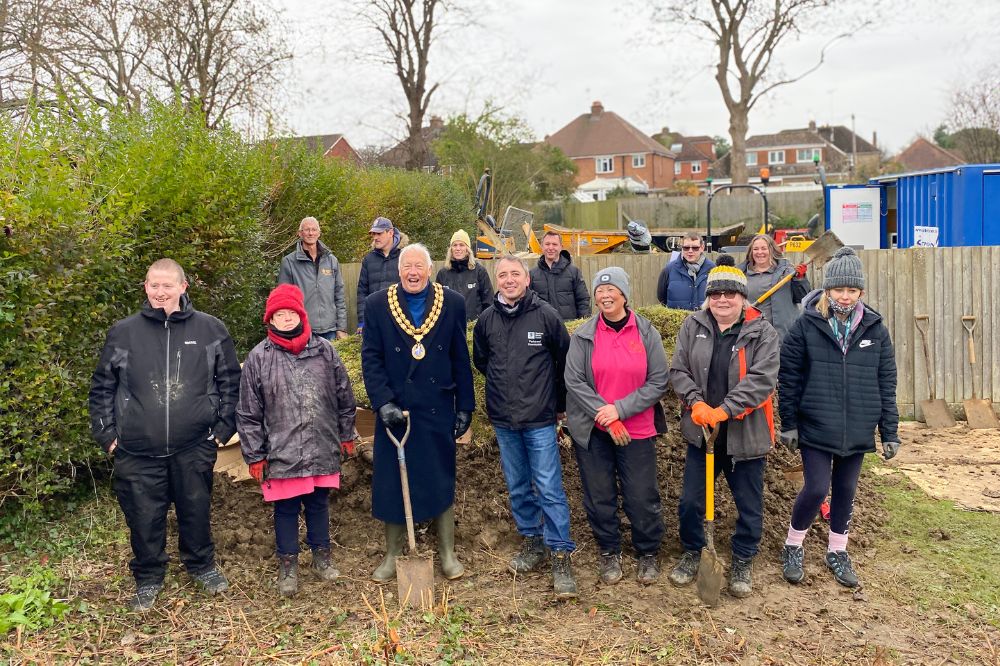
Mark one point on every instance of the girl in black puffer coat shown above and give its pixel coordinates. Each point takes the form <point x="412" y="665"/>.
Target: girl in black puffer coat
<point x="836" y="386"/>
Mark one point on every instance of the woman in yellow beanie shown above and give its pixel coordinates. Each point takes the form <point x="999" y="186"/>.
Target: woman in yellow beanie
<point x="464" y="276"/>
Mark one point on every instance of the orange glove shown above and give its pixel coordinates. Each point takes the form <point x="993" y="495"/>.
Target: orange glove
<point x="699" y="413"/>
<point x="716" y="416"/>
<point x="347" y="448"/>
<point x="619" y="433"/>
<point x="258" y="470"/>
<point x="800" y="271"/>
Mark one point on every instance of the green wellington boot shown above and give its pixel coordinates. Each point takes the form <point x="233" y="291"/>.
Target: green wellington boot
<point x="445" y="524"/>
<point x="395" y="537"/>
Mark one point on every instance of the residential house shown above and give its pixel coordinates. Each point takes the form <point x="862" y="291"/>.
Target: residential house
<point x="694" y="156"/>
<point x="790" y="155"/>
<point x="923" y="154"/>
<point x="398" y="155"/>
<point x="333" y="146"/>
<point x="606" y="147"/>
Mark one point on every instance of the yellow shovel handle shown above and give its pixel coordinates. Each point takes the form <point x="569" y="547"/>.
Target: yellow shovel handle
<point x="709" y="487"/>
<point x="778" y="285"/>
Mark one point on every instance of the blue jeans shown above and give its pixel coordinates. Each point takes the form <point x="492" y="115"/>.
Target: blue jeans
<point x="329" y="335"/>
<point x="316" y="507"/>
<point x="531" y="466"/>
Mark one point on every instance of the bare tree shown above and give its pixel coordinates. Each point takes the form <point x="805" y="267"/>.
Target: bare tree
<point x="975" y="117"/>
<point x="408" y="29"/>
<point x="747" y="34"/>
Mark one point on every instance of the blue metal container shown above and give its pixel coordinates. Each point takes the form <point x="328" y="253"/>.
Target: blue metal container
<point x="952" y="207"/>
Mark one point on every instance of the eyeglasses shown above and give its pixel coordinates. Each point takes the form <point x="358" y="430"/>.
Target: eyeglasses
<point x="690" y="248"/>
<point x="716" y="295"/>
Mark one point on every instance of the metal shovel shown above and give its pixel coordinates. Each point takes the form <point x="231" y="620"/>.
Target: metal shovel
<point x="414" y="573"/>
<point x="978" y="411"/>
<point x="935" y="410"/>
<point x="710" y="570"/>
<point x="818" y="253"/>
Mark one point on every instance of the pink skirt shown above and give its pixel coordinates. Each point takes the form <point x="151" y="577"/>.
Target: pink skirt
<point x="280" y="489"/>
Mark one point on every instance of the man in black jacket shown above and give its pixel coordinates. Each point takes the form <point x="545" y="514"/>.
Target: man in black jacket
<point x="558" y="281"/>
<point x="520" y="344"/>
<point x="380" y="267"/>
<point x="163" y="397"/>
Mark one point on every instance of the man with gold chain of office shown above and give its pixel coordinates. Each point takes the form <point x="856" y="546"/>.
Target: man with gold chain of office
<point x="415" y="358"/>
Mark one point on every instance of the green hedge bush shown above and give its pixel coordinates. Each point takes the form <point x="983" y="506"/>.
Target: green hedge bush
<point x="93" y="199"/>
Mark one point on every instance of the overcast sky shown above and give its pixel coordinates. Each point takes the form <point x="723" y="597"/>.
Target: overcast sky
<point x="547" y="60"/>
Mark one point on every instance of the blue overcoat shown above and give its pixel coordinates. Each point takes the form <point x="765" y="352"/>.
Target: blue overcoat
<point x="432" y="389"/>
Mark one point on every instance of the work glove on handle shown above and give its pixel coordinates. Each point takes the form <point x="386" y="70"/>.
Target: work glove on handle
<point x="790" y="439"/>
<point x="699" y="413"/>
<point x="347" y="448"/>
<point x="619" y="433"/>
<point x="800" y="271"/>
<point x="462" y="422"/>
<point x="715" y="416"/>
<point x="889" y="449"/>
<point x="258" y="470"/>
<point x="391" y="415"/>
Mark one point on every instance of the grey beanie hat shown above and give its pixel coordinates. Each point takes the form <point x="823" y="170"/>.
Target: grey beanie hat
<point x="844" y="270"/>
<point x="616" y="277"/>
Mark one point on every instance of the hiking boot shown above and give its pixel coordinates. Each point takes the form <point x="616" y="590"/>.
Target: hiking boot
<point x="321" y="565"/>
<point x="840" y="564"/>
<point x="686" y="569"/>
<point x="562" y="575"/>
<point x="288" y="575"/>
<point x="395" y="535"/>
<point x="212" y="581"/>
<point x="445" y="523"/>
<point x="611" y="568"/>
<point x="792" y="558"/>
<point x="144" y="597"/>
<point x="739" y="578"/>
<point x="648" y="569"/>
<point x="532" y="554"/>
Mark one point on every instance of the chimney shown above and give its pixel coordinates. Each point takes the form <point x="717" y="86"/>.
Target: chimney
<point x="875" y="139"/>
<point x="596" y="109"/>
<point x="812" y="125"/>
<point x="436" y="123"/>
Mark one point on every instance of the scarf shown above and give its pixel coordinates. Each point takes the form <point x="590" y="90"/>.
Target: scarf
<point x="694" y="267"/>
<point x="842" y="330"/>
<point x="293" y="341"/>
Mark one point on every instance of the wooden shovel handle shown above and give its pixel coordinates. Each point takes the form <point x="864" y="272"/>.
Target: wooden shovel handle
<point x="972" y="350"/>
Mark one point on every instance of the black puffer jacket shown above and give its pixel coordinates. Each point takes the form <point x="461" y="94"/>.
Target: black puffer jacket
<point x="562" y="287"/>
<point x="836" y="400"/>
<point x="378" y="271"/>
<point x="523" y="356"/>
<point x="165" y="383"/>
<point x="294" y="411"/>
<point x="469" y="279"/>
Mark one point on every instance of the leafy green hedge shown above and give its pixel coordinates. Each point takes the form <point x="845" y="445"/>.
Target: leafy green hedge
<point x="93" y="199"/>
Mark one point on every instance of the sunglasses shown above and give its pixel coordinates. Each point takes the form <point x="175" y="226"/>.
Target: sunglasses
<point x="690" y="248"/>
<point x="716" y="295"/>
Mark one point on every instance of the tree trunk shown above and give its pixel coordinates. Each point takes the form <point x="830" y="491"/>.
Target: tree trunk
<point x="416" y="150"/>
<point x="738" y="126"/>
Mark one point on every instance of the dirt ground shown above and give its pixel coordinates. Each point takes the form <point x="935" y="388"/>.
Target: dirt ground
<point x="496" y="618"/>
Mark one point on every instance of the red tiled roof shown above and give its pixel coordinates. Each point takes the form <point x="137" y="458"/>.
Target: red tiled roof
<point x="923" y="154"/>
<point x="603" y="132"/>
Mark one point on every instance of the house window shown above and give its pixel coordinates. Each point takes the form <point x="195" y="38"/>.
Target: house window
<point x="751" y="159"/>
<point x="677" y="168"/>
<point x="605" y="164"/>
<point x="776" y="157"/>
<point x="638" y="161"/>
<point x="695" y="167"/>
<point x="806" y="154"/>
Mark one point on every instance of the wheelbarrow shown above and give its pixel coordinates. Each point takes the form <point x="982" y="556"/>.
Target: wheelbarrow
<point x="414" y="572"/>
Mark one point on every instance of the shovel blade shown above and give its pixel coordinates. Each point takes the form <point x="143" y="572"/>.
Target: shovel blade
<point x="823" y="249"/>
<point x="710" y="577"/>
<point x="415" y="581"/>
<point x="979" y="414"/>
<point x="937" y="414"/>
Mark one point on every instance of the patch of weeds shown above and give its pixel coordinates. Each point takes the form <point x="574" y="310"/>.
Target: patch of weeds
<point x="30" y="602"/>
<point x="948" y="555"/>
<point x="454" y="626"/>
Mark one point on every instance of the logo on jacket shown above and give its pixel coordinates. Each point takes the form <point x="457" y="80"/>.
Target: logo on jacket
<point x="326" y="271"/>
<point x="471" y="286"/>
<point x="190" y="342"/>
<point x="701" y="335"/>
<point x="535" y="338"/>
<point x="865" y="343"/>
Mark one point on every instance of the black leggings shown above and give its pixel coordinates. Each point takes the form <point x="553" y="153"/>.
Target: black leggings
<point x="820" y="468"/>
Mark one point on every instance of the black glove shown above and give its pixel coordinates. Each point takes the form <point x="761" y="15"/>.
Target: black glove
<point x="889" y="449"/>
<point x="392" y="415"/>
<point x="462" y="422"/>
<point x="790" y="438"/>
